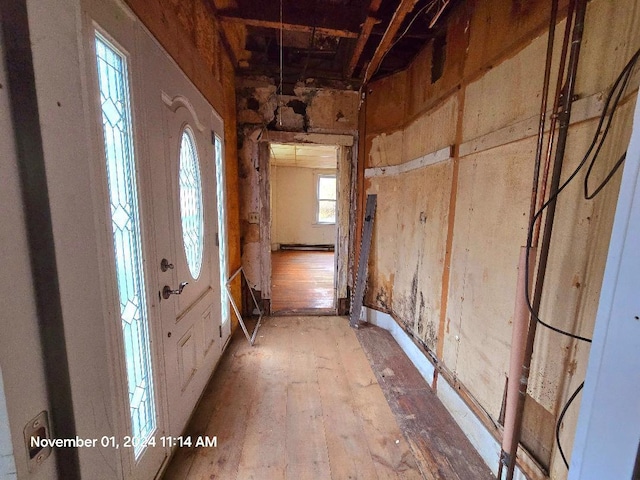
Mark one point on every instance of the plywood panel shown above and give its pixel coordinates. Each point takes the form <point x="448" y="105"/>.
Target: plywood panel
<point x="490" y="226"/>
<point x="422" y="93"/>
<point x="510" y="92"/>
<point x="386" y="99"/>
<point x="576" y="264"/>
<point x="432" y="131"/>
<point x="611" y="37"/>
<point x="382" y="259"/>
<point x="422" y="231"/>
<point x="331" y="111"/>
<point x="497" y="30"/>
<point x="386" y="149"/>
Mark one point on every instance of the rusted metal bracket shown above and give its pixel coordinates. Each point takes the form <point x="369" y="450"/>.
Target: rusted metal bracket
<point x="363" y="261"/>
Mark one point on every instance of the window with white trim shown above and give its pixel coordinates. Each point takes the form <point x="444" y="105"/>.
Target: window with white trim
<point x="326" y="195"/>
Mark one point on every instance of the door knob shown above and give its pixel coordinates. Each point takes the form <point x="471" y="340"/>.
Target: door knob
<point x="167" y="291"/>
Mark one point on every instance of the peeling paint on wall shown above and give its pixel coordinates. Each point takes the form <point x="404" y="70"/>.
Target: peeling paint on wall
<point x="318" y="114"/>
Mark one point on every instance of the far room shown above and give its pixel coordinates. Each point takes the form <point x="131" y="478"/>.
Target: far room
<point x="304" y="210"/>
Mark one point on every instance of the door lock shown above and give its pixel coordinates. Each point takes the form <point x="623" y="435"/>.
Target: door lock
<point x="165" y="265"/>
<point x="167" y="291"/>
<point x="37" y="439"/>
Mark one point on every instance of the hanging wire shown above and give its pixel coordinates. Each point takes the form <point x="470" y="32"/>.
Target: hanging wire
<point x="279" y="96"/>
<point x="425" y="9"/>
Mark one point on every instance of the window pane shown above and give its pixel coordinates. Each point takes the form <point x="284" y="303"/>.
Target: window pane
<point x="327" y="211"/>
<point x="327" y="188"/>
<point x="222" y="229"/>
<point x="127" y="244"/>
<point x="191" y="203"/>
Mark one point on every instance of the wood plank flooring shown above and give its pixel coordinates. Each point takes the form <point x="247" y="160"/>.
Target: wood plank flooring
<point x="302" y="281"/>
<point x="302" y="404"/>
<point x="442" y="450"/>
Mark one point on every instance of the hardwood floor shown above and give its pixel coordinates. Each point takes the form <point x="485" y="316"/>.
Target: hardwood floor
<point x="439" y="445"/>
<point x="302" y="404"/>
<point x="302" y="281"/>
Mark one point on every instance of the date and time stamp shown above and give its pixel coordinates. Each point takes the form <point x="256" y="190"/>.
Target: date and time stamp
<point x="186" y="441"/>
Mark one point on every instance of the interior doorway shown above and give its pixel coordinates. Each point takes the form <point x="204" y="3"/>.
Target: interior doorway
<point x="303" y="228"/>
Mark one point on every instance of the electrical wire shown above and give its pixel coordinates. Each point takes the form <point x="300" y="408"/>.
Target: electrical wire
<point x="427" y="7"/>
<point x="617" y="90"/>
<point x="279" y="97"/>
<point x="561" y="417"/>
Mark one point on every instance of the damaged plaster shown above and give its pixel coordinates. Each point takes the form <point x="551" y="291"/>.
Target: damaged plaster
<point x="313" y="114"/>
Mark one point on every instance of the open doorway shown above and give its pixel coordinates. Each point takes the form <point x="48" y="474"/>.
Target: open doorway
<point x="304" y="214"/>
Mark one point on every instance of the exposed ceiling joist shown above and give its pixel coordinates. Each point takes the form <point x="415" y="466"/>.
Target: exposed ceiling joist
<point x="326" y="40"/>
<point x="367" y="27"/>
<point x="405" y="7"/>
<point x="223" y="36"/>
<point x="254" y="22"/>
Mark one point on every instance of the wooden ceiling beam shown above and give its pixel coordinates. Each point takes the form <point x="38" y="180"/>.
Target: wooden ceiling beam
<point x="405" y="7"/>
<point x="255" y="22"/>
<point x="213" y="11"/>
<point x="365" y="32"/>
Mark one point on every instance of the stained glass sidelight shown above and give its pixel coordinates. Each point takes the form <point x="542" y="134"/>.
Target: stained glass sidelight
<point x="191" y="203"/>
<point x="222" y="229"/>
<point x="125" y="221"/>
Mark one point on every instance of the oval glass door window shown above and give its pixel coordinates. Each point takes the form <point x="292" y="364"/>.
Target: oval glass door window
<point x="191" y="213"/>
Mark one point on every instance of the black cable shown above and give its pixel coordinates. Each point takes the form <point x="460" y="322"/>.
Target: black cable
<point x="561" y="417"/>
<point x="617" y="89"/>
<point x="619" y="86"/>
<point x="589" y="196"/>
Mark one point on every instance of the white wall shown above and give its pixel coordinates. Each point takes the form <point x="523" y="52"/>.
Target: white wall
<point x="294" y="202"/>
<point x="608" y="432"/>
<point x="23" y="383"/>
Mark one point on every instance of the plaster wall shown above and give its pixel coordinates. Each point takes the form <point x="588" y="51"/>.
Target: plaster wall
<point x="311" y="115"/>
<point x="447" y="236"/>
<point x="294" y="201"/>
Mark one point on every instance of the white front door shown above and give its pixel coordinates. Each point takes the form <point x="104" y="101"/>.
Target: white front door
<point x="180" y="130"/>
<point x="190" y="304"/>
<point x="156" y="143"/>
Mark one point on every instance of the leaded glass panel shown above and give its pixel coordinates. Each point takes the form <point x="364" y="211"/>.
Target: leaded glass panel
<point x="222" y="229"/>
<point x="191" y="213"/>
<point x="125" y="221"/>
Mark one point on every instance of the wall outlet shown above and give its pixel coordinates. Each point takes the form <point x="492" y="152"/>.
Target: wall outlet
<point x="254" y="217"/>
